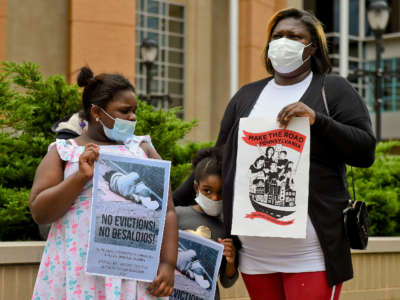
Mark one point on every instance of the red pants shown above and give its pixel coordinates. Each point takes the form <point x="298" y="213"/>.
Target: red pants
<point x="290" y="286"/>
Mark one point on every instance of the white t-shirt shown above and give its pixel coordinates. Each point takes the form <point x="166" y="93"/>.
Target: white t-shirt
<point x="263" y="255"/>
<point x="274" y="97"/>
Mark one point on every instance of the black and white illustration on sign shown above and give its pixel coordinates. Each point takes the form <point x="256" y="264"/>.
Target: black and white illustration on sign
<point x="271" y="184"/>
<point x="197" y="267"/>
<point x="127" y="216"/>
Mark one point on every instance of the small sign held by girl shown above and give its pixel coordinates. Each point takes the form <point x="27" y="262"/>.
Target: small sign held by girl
<point x="205" y="217"/>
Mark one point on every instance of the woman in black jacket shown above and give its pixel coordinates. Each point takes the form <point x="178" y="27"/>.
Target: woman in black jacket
<point x="296" y="55"/>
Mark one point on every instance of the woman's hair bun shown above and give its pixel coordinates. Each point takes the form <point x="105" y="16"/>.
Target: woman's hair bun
<point x="85" y="76"/>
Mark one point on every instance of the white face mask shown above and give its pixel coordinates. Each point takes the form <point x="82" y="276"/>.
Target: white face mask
<point x="210" y="207"/>
<point x="286" y="55"/>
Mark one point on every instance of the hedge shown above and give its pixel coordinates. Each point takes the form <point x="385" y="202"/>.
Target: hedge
<point x="379" y="186"/>
<point x="29" y="105"/>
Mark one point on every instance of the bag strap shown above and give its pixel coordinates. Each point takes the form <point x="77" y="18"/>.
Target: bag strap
<point x="324" y="97"/>
<point x="352" y="183"/>
<point x="327" y="111"/>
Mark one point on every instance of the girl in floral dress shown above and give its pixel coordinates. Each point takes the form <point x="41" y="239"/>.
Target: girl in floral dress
<point x="62" y="191"/>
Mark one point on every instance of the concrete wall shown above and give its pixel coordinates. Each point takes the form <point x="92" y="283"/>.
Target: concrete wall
<point x="62" y="36"/>
<point x="390" y="124"/>
<point x="198" y="50"/>
<point x="220" y="64"/>
<point x="391" y="45"/>
<point x="102" y="35"/>
<point x="254" y="16"/>
<point x="3" y="29"/>
<point x="295" y="3"/>
<point x="253" y="19"/>
<point x="37" y="31"/>
<point x="376" y="272"/>
<point x="207" y="56"/>
<point x="19" y="263"/>
<point x="207" y="65"/>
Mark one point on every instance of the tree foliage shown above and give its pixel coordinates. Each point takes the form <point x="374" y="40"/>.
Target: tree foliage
<point x="379" y="187"/>
<point x="29" y="106"/>
<point x="15" y="219"/>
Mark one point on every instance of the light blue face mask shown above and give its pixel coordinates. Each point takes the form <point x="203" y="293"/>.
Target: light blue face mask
<point x="122" y="130"/>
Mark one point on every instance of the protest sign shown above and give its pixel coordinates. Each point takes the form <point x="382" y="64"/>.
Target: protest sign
<point x="197" y="267"/>
<point x="128" y="210"/>
<point x="272" y="174"/>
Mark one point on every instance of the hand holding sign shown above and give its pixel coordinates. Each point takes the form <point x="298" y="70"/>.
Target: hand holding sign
<point x="163" y="284"/>
<point x="297" y="109"/>
<point x="271" y="199"/>
<point x="87" y="159"/>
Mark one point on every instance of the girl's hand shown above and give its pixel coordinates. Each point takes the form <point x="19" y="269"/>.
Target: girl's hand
<point x="297" y="109"/>
<point x="87" y="159"/>
<point x="229" y="250"/>
<point x="163" y="284"/>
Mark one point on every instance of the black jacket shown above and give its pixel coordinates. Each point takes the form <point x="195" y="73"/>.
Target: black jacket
<point x="344" y="137"/>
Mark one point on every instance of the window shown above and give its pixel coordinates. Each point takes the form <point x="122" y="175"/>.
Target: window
<point x="390" y="86"/>
<point x="328" y="12"/>
<point x="163" y="22"/>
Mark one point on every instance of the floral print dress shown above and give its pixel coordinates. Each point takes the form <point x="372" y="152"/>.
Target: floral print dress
<point x="61" y="274"/>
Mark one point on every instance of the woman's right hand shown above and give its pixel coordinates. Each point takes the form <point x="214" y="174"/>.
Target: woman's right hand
<point x="87" y="159"/>
<point x="296" y="109"/>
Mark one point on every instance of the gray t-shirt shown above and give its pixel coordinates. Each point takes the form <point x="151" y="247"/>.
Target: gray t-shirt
<point x="189" y="218"/>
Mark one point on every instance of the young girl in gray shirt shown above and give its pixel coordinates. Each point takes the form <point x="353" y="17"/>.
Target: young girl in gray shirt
<point x="205" y="217"/>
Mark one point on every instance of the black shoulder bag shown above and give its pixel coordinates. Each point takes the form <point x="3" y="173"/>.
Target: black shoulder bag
<point x="355" y="215"/>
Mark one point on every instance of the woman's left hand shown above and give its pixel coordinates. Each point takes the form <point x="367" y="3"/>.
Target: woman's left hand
<point x="297" y="109"/>
<point x="163" y="284"/>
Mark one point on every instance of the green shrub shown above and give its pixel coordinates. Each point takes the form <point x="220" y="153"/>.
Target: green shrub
<point x="379" y="187"/>
<point x="29" y="105"/>
<point x="165" y="130"/>
<point x="19" y="158"/>
<point x="15" y="217"/>
<point x="182" y="161"/>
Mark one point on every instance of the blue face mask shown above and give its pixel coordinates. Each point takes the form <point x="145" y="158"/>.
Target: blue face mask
<point x="122" y="130"/>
